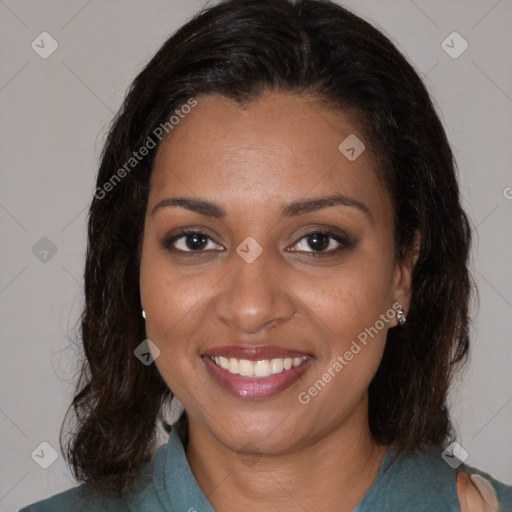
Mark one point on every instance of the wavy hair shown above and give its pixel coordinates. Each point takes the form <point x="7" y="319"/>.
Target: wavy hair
<point x="239" y="49"/>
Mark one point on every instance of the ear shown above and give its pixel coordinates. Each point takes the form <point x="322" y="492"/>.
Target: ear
<point x="402" y="277"/>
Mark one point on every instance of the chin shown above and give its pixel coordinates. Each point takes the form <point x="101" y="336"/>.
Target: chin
<point x="268" y="432"/>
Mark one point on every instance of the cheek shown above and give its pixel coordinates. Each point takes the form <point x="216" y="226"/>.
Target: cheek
<point x="172" y="305"/>
<point x="353" y="310"/>
<point x="167" y="301"/>
<point x="352" y="345"/>
<point x="349" y="300"/>
<point x="174" y="300"/>
<point x="172" y="308"/>
<point x="168" y="293"/>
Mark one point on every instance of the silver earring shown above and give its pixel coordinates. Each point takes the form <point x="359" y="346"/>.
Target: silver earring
<point x="401" y="316"/>
<point x="143" y="314"/>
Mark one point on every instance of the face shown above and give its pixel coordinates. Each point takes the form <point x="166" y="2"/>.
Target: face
<point x="269" y="307"/>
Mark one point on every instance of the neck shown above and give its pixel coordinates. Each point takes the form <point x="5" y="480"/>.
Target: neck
<point x="331" y="473"/>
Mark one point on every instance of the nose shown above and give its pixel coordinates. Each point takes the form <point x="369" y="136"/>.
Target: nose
<point x="254" y="297"/>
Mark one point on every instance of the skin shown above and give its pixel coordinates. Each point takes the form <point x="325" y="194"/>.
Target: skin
<point x="275" y="453"/>
<point x="477" y="495"/>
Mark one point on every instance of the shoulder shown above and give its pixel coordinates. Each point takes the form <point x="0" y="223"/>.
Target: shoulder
<point x="424" y="481"/>
<point x="473" y="489"/>
<point x="480" y="492"/>
<point x="78" y="499"/>
<point x="82" y="498"/>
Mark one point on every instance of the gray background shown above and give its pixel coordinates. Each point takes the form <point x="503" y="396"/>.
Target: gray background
<point x="55" y="113"/>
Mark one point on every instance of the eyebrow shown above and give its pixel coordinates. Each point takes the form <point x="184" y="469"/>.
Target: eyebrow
<point x="300" y="207"/>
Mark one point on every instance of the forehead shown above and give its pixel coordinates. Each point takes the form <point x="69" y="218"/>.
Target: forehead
<point x="278" y="146"/>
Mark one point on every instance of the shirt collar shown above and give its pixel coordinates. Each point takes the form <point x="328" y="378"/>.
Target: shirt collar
<point x="176" y="486"/>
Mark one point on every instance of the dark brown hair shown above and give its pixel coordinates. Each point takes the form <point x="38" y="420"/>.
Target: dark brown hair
<point x="238" y="49"/>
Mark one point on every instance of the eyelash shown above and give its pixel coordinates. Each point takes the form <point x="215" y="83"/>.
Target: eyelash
<point x="344" y="242"/>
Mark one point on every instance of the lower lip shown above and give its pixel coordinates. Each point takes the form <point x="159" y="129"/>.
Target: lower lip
<point x="253" y="388"/>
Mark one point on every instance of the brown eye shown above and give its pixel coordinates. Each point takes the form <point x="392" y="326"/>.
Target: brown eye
<point x="322" y="242"/>
<point x="195" y="241"/>
<point x="190" y="241"/>
<point x="318" y="241"/>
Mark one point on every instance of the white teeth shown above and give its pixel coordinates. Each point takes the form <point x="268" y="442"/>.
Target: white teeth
<point x="277" y="365"/>
<point x="261" y="368"/>
<point x="245" y="367"/>
<point x="232" y="366"/>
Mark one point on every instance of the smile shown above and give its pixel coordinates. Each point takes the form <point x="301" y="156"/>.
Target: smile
<point x="256" y="378"/>
<point x="261" y="368"/>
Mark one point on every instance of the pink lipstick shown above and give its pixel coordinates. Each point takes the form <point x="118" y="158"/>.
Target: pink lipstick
<point x="255" y="372"/>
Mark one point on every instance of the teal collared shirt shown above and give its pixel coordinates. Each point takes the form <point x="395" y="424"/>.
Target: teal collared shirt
<point x="421" y="482"/>
<point x="166" y="483"/>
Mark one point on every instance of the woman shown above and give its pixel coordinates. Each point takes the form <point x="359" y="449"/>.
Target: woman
<point x="276" y="240"/>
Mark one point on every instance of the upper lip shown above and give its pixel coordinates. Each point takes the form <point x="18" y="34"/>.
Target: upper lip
<point x="254" y="353"/>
